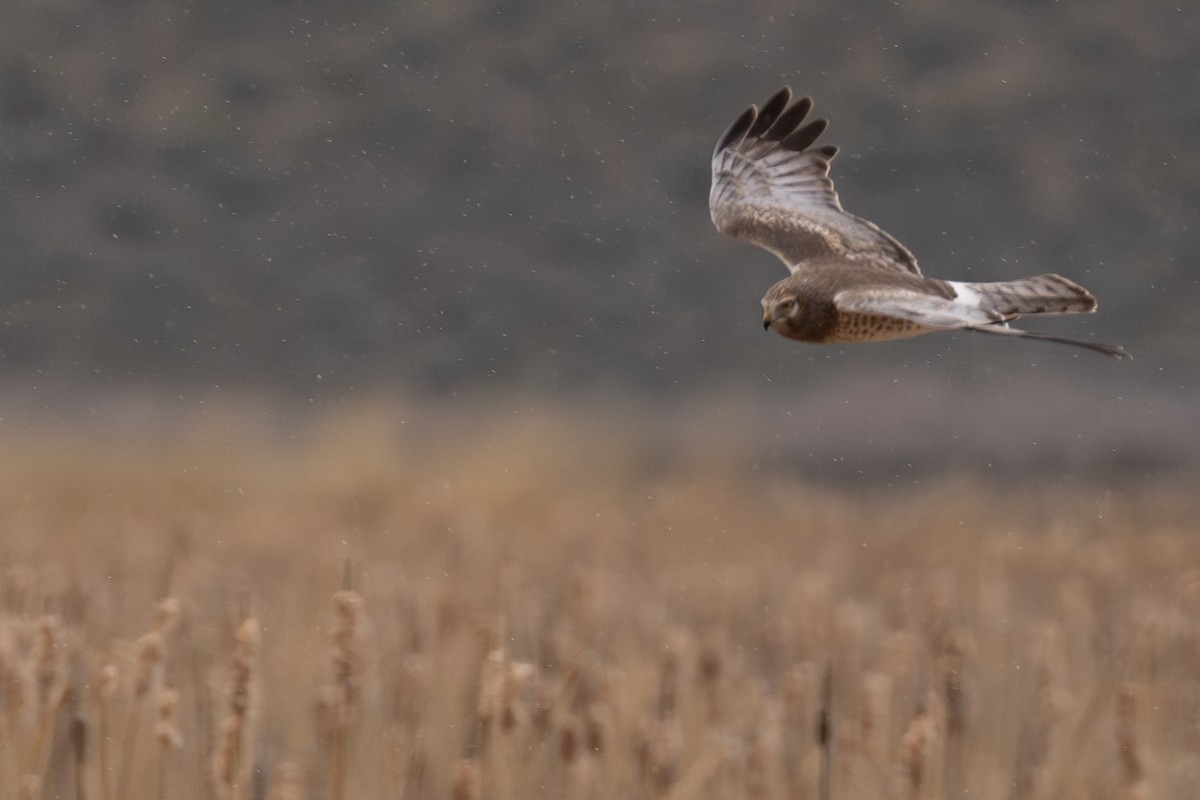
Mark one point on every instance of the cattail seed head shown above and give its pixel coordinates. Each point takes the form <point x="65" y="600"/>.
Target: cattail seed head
<point x="167" y="730"/>
<point x="467" y="783"/>
<point x="150" y="649"/>
<point x="48" y="666"/>
<point x="108" y="682"/>
<point x="166" y="615"/>
<point x="285" y="782"/>
<point x="567" y="743"/>
<point x="1131" y="763"/>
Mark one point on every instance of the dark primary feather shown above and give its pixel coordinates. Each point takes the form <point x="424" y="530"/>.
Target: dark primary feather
<point x="803" y="137"/>
<point x="771" y="187"/>
<point x="770" y="112"/>
<point x="789" y="119"/>
<point x="737" y="130"/>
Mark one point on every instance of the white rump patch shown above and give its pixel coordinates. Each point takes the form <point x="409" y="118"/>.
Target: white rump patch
<point x="967" y="294"/>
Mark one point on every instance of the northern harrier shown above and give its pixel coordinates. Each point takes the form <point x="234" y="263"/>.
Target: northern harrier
<point x="851" y="281"/>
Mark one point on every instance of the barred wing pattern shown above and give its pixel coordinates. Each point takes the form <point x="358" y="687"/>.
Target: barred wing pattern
<point x="771" y="188"/>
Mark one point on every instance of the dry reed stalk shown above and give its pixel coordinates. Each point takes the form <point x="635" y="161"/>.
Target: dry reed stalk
<point x="757" y="758"/>
<point x="1132" y="771"/>
<point x="491" y="689"/>
<point x="108" y="690"/>
<point x="589" y="770"/>
<point x="50" y="690"/>
<point x="501" y="710"/>
<point x="920" y="747"/>
<point x="1046" y="711"/>
<point x="952" y="666"/>
<point x="150" y="653"/>
<point x="694" y="780"/>
<point x="285" y="782"/>
<point x="77" y="739"/>
<point x="904" y="660"/>
<point x="466" y="784"/>
<point x="661" y="741"/>
<point x="348" y="668"/>
<point x="14" y="687"/>
<point x="801" y="705"/>
<point x="1031" y="772"/>
<point x="519" y="681"/>
<point x="579" y="761"/>
<point x="29" y="787"/>
<point x="166" y="731"/>
<point x="230" y="767"/>
<point x="658" y="755"/>
<point x="875" y="723"/>
<point x="825" y="734"/>
<point x="668" y="685"/>
<point x="709" y="668"/>
<point x="166" y="615"/>
<point x="1076" y="745"/>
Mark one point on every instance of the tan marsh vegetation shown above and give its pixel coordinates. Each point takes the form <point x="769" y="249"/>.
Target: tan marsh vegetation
<point x="521" y="610"/>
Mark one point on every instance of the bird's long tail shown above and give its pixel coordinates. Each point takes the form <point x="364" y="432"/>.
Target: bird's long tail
<point x="1041" y="294"/>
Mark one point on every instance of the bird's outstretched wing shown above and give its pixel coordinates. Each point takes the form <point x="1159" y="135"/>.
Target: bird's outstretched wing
<point x="912" y="305"/>
<point x="947" y="313"/>
<point x="771" y="187"/>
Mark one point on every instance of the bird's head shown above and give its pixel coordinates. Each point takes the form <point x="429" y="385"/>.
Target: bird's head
<point x="783" y="309"/>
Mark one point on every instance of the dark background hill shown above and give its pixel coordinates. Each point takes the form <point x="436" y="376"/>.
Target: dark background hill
<point x="464" y="199"/>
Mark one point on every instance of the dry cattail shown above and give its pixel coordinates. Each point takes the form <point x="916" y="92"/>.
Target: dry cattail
<point x="658" y="754"/>
<point x="708" y="673"/>
<point x="957" y="694"/>
<point x="952" y="665"/>
<point x="229" y="765"/>
<point x="594" y="737"/>
<point x="285" y="782"/>
<point x="467" y="781"/>
<point x="568" y="743"/>
<point x="1131" y="763"/>
<point x="50" y="677"/>
<point x="108" y="690"/>
<point x="491" y="690"/>
<point x="150" y="650"/>
<point x="348" y="667"/>
<point x="149" y="653"/>
<point x="582" y="765"/>
<point x="875" y="716"/>
<point x="50" y="689"/>
<point x="543" y="707"/>
<point x="518" y="676"/>
<point x="19" y="581"/>
<point x="28" y="787"/>
<point x="166" y="615"/>
<point x="668" y="685"/>
<point x="347" y="648"/>
<point x="77" y="733"/>
<point x="917" y="745"/>
<point x="167" y="729"/>
<point x="801" y="702"/>
<point x="108" y="681"/>
<point x="169" y="738"/>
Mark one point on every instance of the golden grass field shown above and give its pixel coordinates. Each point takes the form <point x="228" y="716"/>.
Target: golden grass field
<point x="532" y="607"/>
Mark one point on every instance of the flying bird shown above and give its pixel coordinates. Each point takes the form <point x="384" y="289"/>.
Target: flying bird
<point x="851" y="281"/>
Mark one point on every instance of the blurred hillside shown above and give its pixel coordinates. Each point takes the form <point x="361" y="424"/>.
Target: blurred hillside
<point x="454" y="197"/>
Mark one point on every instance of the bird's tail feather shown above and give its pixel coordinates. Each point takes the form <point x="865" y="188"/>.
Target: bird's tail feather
<point x="1041" y="294"/>
<point x="1114" y="350"/>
